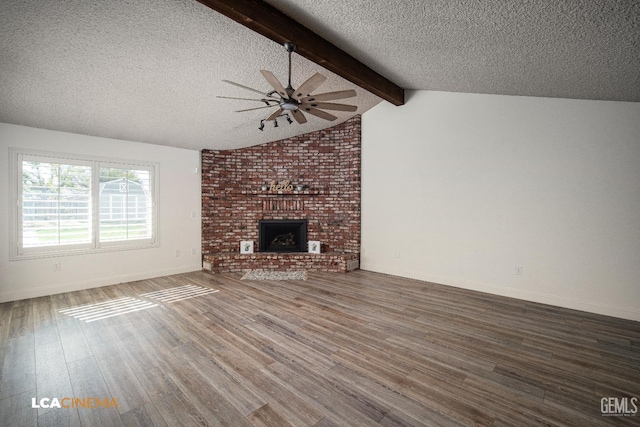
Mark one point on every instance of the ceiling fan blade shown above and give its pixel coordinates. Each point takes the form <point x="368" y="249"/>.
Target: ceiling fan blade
<point x="298" y="116"/>
<point x="275" y="114"/>
<point x="248" y="88"/>
<point x="275" y="83"/>
<point x="319" y="113"/>
<point x="330" y="106"/>
<point x="309" y="86"/>
<point x="248" y="99"/>
<point x="330" y="96"/>
<point x="256" y="108"/>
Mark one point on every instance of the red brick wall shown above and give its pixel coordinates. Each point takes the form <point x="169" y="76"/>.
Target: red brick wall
<point x="326" y="162"/>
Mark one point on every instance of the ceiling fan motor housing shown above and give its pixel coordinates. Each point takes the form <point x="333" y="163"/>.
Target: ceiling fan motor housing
<point x="289" y="104"/>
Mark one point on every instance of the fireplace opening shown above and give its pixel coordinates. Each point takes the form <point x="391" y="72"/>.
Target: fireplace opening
<point x="283" y="235"/>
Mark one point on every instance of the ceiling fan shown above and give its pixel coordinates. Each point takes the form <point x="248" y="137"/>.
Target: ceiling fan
<point x="296" y="101"/>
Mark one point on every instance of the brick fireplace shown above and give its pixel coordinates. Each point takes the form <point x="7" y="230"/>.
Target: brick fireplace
<point x="313" y="177"/>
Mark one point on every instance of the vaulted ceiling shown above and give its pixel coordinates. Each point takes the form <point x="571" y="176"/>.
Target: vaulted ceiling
<point x="151" y="70"/>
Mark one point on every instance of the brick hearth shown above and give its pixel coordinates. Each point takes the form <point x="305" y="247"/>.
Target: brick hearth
<point x="331" y="261"/>
<point x="326" y="163"/>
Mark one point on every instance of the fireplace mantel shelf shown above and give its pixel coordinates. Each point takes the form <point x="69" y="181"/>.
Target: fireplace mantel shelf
<point x="267" y="193"/>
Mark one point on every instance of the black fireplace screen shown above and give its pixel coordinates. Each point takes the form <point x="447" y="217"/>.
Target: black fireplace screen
<point x="283" y="235"/>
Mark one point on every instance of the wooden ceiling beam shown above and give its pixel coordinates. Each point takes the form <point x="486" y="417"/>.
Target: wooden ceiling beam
<point x="275" y="25"/>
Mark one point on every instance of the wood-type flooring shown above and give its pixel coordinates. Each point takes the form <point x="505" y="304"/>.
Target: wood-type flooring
<point x="357" y="349"/>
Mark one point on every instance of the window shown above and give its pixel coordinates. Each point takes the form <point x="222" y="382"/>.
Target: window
<point x="65" y="204"/>
<point x="125" y="204"/>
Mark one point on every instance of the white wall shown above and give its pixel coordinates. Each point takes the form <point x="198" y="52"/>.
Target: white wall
<point x="179" y="184"/>
<point x="460" y="189"/>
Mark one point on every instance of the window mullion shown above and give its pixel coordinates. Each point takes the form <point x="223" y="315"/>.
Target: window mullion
<point x="19" y="204"/>
<point x="95" y="204"/>
<point x="58" y="203"/>
<point x="126" y="205"/>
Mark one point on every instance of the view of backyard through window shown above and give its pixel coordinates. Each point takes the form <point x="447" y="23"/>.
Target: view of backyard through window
<point x="60" y="201"/>
<point x="125" y="204"/>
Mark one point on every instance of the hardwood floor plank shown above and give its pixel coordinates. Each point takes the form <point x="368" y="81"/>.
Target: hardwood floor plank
<point x="266" y="416"/>
<point x="202" y="394"/>
<point x="5" y="320"/>
<point x="52" y="377"/>
<point x="397" y="420"/>
<point x="60" y="418"/>
<point x="235" y="343"/>
<point x="444" y="355"/>
<point x="15" y="410"/>
<point x="295" y="332"/>
<point x="325" y="397"/>
<point x="176" y="410"/>
<point x="505" y="407"/>
<point x="293" y="407"/>
<point x="221" y="379"/>
<point x="45" y="327"/>
<point x="144" y="416"/>
<point x="281" y="347"/>
<point x="394" y="398"/>
<point x="546" y="377"/>
<point x="18" y="367"/>
<point x="87" y="382"/>
<point x="122" y="383"/>
<point x="441" y="397"/>
<point x="73" y="340"/>
<point x="326" y="422"/>
<point x="156" y="383"/>
<point x="21" y="318"/>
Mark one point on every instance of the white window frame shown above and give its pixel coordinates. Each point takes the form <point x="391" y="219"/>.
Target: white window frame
<point x="18" y="252"/>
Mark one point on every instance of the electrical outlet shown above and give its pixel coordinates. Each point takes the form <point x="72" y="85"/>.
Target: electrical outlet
<point x="57" y="266"/>
<point x="193" y="251"/>
<point x="519" y="270"/>
<point x="396" y="254"/>
<point x="177" y="253"/>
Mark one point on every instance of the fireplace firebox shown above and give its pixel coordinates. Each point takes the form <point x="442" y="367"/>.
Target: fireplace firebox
<point x="277" y="235"/>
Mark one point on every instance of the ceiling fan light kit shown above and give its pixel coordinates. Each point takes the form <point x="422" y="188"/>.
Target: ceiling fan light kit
<point x="294" y="101"/>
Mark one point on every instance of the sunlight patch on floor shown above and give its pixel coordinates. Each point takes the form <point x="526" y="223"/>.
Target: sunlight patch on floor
<point x="105" y="309"/>
<point x="179" y="293"/>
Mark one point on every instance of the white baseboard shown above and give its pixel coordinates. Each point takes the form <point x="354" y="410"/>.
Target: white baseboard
<point x="629" y="313"/>
<point x="93" y="283"/>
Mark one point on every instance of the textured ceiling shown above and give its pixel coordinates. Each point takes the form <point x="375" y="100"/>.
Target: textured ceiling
<point x="150" y="70"/>
<point x="586" y="49"/>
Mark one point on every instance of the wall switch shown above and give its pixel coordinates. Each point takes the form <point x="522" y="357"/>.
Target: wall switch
<point x="519" y="270"/>
<point x="396" y="254"/>
<point x="177" y="253"/>
<point x="193" y="251"/>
